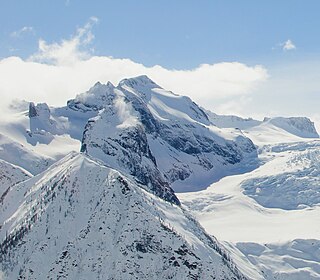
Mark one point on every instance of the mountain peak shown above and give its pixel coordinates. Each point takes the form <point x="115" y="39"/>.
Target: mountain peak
<point x="93" y="99"/>
<point x="139" y="81"/>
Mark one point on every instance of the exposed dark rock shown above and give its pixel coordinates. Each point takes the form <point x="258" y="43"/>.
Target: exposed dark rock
<point x="32" y="110"/>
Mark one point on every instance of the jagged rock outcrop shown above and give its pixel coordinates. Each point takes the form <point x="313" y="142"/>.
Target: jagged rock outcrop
<point x="120" y="141"/>
<point x="32" y="110"/>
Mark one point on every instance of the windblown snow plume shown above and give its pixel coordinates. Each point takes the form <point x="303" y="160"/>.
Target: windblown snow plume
<point x="125" y="113"/>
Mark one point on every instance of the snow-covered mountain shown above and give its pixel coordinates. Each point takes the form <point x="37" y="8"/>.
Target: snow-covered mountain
<point x="110" y="211"/>
<point x="298" y="126"/>
<point x="174" y="134"/>
<point x="82" y="220"/>
<point x="186" y="146"/>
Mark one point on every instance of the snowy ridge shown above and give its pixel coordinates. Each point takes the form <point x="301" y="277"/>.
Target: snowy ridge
<point x="81" y="220"/>
<point x="18" y="154"/>
<point x="230" y="121"/>
<point x="298" y="126"/>
<point x="9" y="176"/>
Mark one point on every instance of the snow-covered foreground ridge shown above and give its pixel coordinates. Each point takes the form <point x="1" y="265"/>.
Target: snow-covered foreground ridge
<point x="82" y="220"/>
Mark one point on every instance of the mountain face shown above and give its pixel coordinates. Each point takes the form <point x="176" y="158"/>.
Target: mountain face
<point x="175" y="136"/>
<point x="83" y="220"/>
<point x="15" y="153"/>
<point x="110" y="212"/>
<point x="9" y="176"/>
<point x="122" y="144"/>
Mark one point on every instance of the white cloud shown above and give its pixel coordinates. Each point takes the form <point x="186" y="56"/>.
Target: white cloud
<point x="59" y="71"/>
<point x="288" y="45"/>
<point x="235" y="106"/>
<point x="67" y="52"/>
<point x="19" y="33"/>
<point x="125" y="113"/>
<point x="55" y="84"/>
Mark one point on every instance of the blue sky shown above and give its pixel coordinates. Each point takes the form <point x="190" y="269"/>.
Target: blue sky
<point x="261" y="58"/>
<point x="175" y="34"/>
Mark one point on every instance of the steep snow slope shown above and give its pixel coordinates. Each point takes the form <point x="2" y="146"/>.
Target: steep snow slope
<point x="9" y="176"/>
<point x="18" y="154"/>
<point x="269" y="216"/>
<point x="27" y="139"/>
<point x="82" y="220"/>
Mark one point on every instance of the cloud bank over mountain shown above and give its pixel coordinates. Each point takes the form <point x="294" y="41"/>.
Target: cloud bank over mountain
<point x="58" y="70"/>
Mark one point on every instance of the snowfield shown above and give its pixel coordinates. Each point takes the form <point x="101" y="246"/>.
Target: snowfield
<point x="270" y="215"/>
